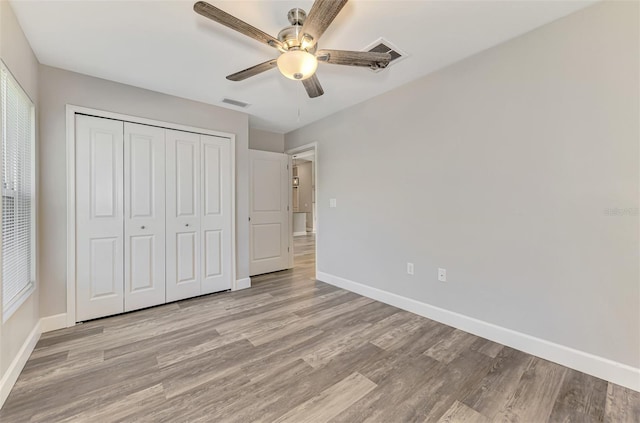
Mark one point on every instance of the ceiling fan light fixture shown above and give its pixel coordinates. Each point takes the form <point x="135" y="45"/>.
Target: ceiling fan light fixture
<point x="297" y="64"/>
<point x="306" y="42"/>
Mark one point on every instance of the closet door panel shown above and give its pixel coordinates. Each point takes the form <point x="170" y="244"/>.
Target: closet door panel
<point x="183" y="185"/>
<point x="216" y="214"/>
<point x="186" y="257"/>
<point x="144" y="175"/>
<point x="99" y="217"/>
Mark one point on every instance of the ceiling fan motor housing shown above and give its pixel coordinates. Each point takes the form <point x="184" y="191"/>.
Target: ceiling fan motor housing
<point x="297" y="16"/>
<point x="290" y="35"/>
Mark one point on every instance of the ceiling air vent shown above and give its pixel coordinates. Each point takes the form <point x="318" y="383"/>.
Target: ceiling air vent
<point x="383" y="46"/>
<point x="235" y="103"/>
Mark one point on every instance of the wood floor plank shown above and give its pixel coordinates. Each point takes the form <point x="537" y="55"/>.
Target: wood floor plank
<point x="167" y="341"/>
<point x="410" y="349"/>
<point x="205" y="345"/>
<point x="331" y="401"/>
<point x="79" y="362"/>
<point x="451" y="346"/>
<point x="295" y="349"/>
<point x="541" y="380"/>
<point x="441" y="384"/>
<point x="389" y="338"/>
<point x="581" y="398"/>
<point x="462" y="374"/>
<point x="404" y="378"/>
<point x="622" y="406"/>
<point x="329" y="314"/>
<point x="500" y="383"/>
<point x="44" y="362"/>
<point x="188" y="374"/>
<point x="221" y="399"/>
<point x="255" y="394"/>
<point x="486" y="347"/>
<point x="276" y="404"/>
<point x="63" y="336"/>
<point x="120" y="409"/>
<point x="460" y="413"/>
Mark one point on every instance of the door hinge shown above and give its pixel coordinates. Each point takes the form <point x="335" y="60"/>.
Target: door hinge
<point x="249" y="218"/>
<point x="288" y="249"/>
<point x="287" y="167"/>
<point x="287" y="208"/>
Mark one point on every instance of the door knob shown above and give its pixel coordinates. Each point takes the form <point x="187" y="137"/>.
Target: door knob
<point x="141" y="227"/>
<point x="186" y="225"/>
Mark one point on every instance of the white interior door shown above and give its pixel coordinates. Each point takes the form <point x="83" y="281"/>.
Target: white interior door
<point x="216" y="222"/>
<point x="99" y="217"/>
<point x="183" y="215"/>
<point x="269" y="215"/>
<point x="144" y="223"/>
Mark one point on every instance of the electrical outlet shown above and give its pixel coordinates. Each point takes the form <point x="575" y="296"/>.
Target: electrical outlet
<point x="332" y="203"/>
<point x="410" y="268"/>
<point x="442" y="275"/>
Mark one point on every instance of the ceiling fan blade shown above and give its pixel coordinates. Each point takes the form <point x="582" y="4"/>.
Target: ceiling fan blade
<point x="253" y="70"/>
<point x="313" y="87"/>
<point x="322" y="13"/>
<point x="354" y="58"/>
<point x="230" y="21"/>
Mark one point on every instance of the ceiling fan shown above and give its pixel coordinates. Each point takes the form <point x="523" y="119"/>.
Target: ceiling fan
<point x="297" y="44"/>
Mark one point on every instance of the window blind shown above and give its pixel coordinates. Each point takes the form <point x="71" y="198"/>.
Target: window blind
<point x="17" y="132"/>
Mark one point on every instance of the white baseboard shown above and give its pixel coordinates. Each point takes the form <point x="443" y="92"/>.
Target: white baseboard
<point x="55" y="322"/>
<point x="299" y="233"/>
<point x="600" y="367"/>
<point x="242" y="284"/>
<point x="11" y="375"/>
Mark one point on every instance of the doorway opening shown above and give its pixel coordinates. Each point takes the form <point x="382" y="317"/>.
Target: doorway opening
<point x="304" y="215"/>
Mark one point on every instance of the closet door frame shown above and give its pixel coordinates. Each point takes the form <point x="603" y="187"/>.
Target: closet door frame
<point x="71" y="111"/>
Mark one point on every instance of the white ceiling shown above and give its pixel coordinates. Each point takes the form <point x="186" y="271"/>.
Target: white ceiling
<point x="164" y="46"/>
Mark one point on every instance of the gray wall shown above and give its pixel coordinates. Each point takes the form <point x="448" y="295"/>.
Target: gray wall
<point x="266" y="141"/>
<point x="304" y="189"/>
<point x="58" y="88"/>
<point x="17" y="55"/>
<point x="516" y="170"/>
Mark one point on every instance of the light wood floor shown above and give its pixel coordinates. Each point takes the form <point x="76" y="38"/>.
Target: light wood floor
<point x="297" y="350"/>
<point x="304" y="245"/>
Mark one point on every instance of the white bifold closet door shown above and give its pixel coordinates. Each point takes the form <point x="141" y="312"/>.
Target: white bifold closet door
<point x="120" y="183"/>
<point x="99" y="217"/>
<point x="144" y="216"/>
<point x="198" y="222"/>
<point x="216" y="221"/>
<point x="153" y="216"/>
<point x="183" y="215"/>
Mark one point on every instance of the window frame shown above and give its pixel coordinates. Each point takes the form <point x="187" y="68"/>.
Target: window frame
<point x="9" y="308"/>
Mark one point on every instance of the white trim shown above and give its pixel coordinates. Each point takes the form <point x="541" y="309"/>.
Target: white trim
<point x="55" y="322"/>
<point x="311" y="146"/>
<point x="18" y="301"/>
<point x="242" y="284"/>
<point x="71" y="111"/>
<point x="300" y="233"/>
<point x="234" y="264"/>
<point x="11" y="375"/>
<point x="71" y="216"/>
<point x="600" y="367"/>
<point x="290" y="216"/>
